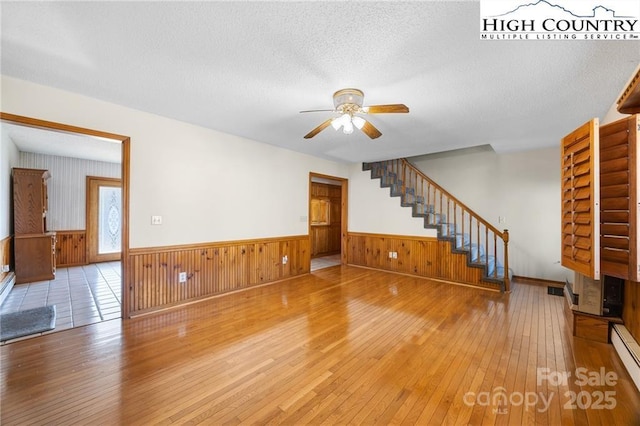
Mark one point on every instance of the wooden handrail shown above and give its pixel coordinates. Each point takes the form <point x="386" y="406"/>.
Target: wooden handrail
<point x="460" y="203"/>
<point x="404" y="171"/>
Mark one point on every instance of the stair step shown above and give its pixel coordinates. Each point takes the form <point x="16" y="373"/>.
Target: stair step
<point x="460" y="242"/>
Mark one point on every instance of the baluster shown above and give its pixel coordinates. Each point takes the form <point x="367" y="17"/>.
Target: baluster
<point x="416" y="186"/>
<point x="462" y="222"/>
<point x="495" y="255"/>
<point x="478" y="234"/>
<point x="455" y="221"/>
<point x="470" y="236"/>
<point x="507" y="283"/>
<point x="440" y="212"/>
<point x="404" y="180"/>
<point x="486" y="243"/>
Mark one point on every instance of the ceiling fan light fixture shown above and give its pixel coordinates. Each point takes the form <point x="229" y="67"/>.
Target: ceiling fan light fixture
<point x="358" y="122"/>
<point x="347" y="129"/>
<point x="348" y="97"/>
<point x="347" y="103"/>
<point x="341" y="121"/>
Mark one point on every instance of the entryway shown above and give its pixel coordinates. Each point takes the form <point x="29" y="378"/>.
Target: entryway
<point x="82" y="295"/>
<point x="327" y="220"/>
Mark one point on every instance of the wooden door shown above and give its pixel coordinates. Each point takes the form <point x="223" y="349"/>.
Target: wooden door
<point x="104" y="219"/>
<point x="580" y="186"/>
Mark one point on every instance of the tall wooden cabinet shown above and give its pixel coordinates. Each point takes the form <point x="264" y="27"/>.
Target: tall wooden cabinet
<point x="34" y="247"/>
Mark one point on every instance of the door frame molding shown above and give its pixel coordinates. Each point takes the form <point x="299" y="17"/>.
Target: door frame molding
<point x="92" y="212"/>
<point x="344" y="228"/>
<point x="125" y="176"/>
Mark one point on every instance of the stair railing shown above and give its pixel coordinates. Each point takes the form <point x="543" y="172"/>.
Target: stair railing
<point x="467" y="230"/>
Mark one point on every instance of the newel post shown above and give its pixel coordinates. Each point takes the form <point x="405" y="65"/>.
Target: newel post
<point x="507" y="281"/>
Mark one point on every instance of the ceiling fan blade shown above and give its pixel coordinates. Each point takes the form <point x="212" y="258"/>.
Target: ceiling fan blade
<point x="386" y="109"/>
<point x="370" y="130"/>
<point x="318" y="110"/>
<point x="318" y="129"/>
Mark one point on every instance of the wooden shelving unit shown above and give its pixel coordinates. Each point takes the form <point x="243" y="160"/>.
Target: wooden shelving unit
<point x="34" y="247"/>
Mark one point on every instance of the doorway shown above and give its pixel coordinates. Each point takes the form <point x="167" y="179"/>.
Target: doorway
<point x="328" y="197"/>
<point x="119" y="268"/>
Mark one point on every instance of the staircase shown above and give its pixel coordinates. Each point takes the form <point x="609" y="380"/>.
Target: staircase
<point x="469" y="234"/>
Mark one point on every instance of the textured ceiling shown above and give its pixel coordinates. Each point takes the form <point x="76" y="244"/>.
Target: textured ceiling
<point x="248" y="68"/>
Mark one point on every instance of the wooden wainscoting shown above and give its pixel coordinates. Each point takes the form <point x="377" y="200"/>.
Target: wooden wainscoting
<point x="71" y="248"/>
<point x="211" y="268"/>
<point x="416" y="255"/>
<point x="422" y="256"/>
<point x="631" y="308"/>
<point x="6" y="256"/>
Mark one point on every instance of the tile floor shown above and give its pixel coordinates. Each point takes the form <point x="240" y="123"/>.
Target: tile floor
<point x="324" y="262"/>
<point x="82" y="295"/>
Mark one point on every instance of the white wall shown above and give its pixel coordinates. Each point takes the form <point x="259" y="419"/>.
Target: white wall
<point x="66" y="189"/>
<point x="207" y="185"/>
<point x="373" y="210"/>
<point x="522" y="187"/>
<point x="9" y="157"/>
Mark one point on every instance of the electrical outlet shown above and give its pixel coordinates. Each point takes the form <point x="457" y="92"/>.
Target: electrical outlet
<point x="156" y="220"/>
<point x="285" y="259"/>
<point x="390" y="255"/>
<point x="5" y="268"/>
<point x="395" y="254"/>
<point x="182" y="277"/>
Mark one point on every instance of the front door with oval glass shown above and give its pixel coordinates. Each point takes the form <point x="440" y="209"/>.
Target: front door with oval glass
<point x="104" y="219"/>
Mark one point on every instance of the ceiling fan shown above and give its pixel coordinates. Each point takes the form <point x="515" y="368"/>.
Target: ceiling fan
<point x="348" y="103"/>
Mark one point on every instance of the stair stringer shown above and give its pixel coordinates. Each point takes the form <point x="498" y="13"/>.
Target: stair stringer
<point x="457" y="262"/>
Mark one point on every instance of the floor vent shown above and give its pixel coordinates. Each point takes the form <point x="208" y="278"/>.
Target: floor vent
<point x="555" y="291"/>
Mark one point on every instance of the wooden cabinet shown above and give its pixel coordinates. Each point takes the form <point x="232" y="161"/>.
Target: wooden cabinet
<point x="29" y="201"/>
<point x="600" y="199"/>
<point x="619" y="198"/>
<point x="34" y="247"/>
<point x="580" y="186"/>
<point x="35" y="257"/>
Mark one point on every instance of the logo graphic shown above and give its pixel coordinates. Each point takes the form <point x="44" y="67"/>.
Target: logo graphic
<point x="560" y="20"/>
<point x="555" y="385"/>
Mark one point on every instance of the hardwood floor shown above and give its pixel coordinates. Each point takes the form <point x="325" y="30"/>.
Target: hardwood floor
<point x="342" y="345"/>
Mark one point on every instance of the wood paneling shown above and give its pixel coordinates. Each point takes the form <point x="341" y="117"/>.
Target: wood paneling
<point x="591" y="327"/>
<point x="454" y="267"/>
<point x="71" y="248"/>
<point x="580" y="174"/>
<point x="422" y="256"/>
<point x="211" y="269"/>
<point x="619" y="197"/>
<point x="631" y="308"/>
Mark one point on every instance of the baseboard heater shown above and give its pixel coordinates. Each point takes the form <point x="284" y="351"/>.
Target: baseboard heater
<point x="628" y="350"/>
